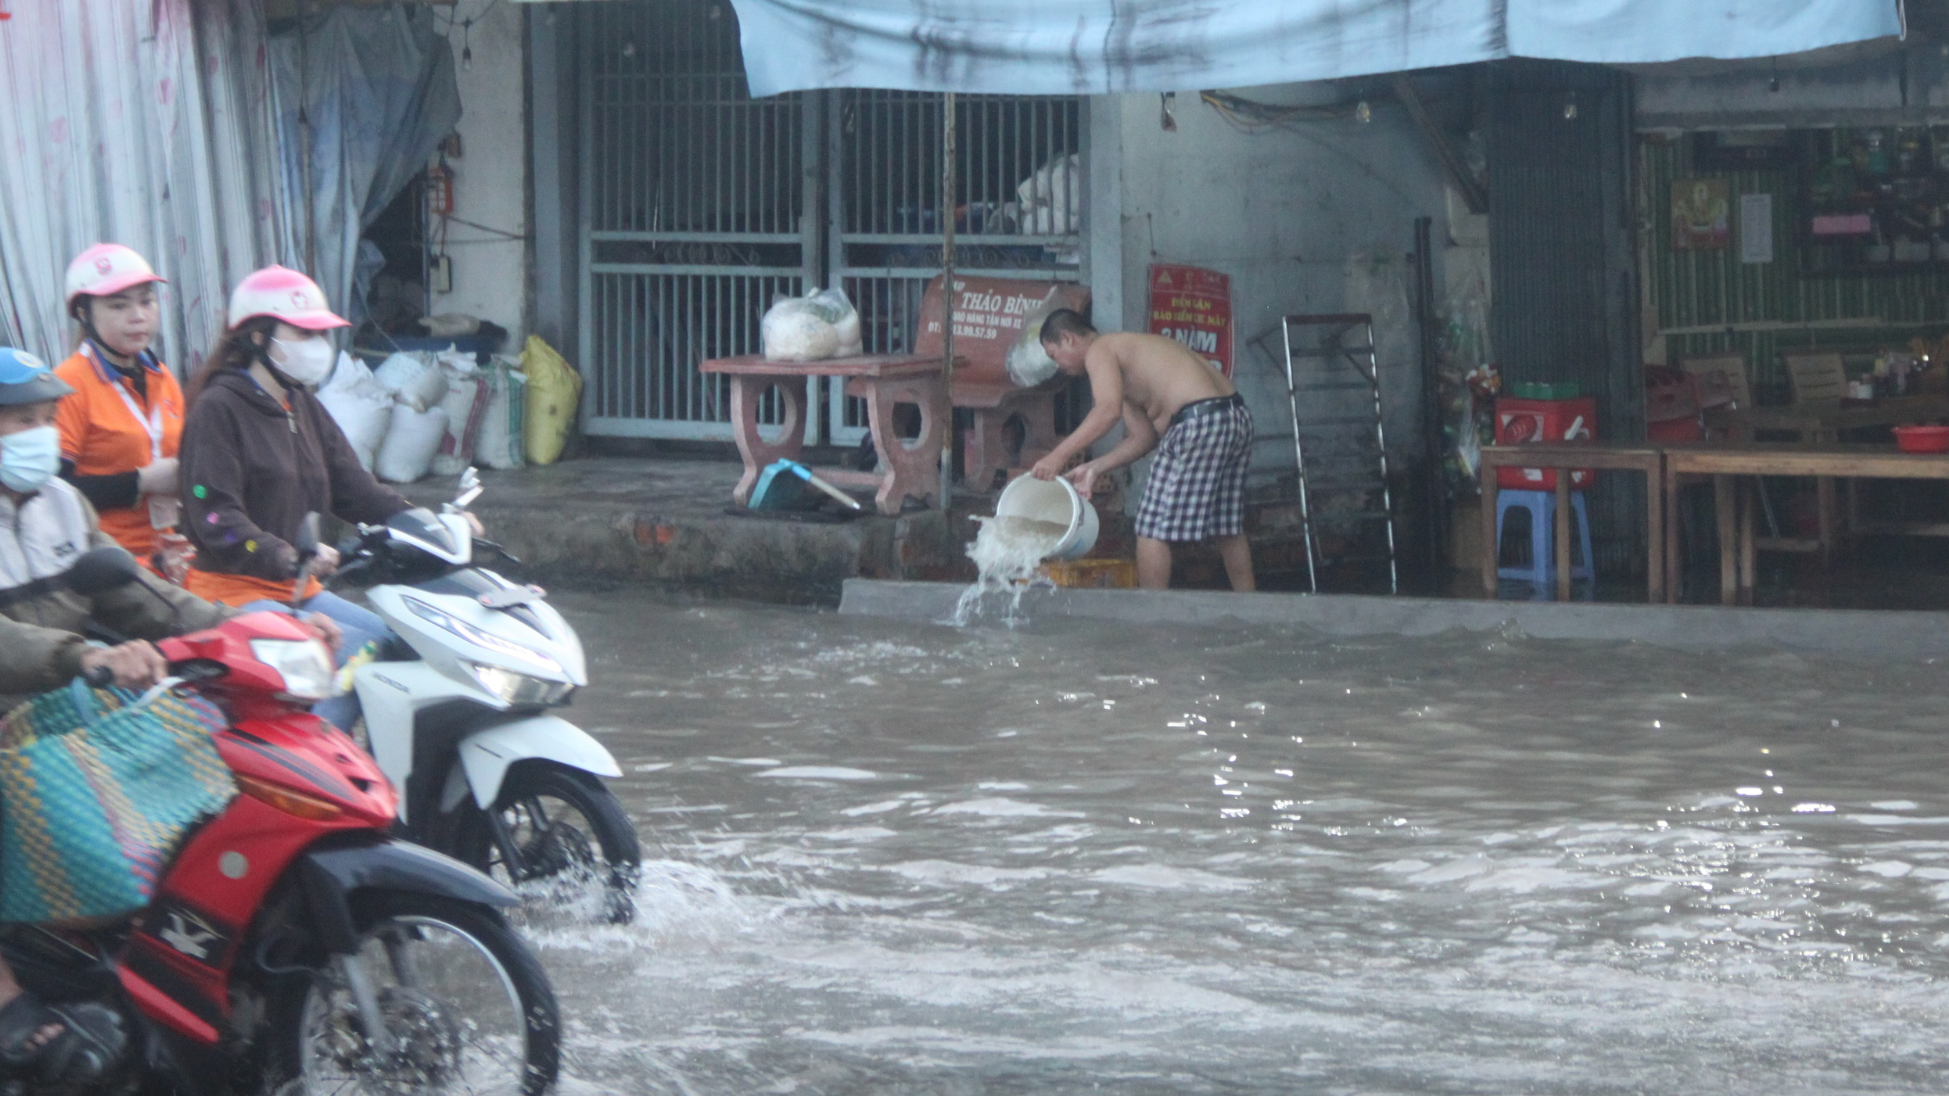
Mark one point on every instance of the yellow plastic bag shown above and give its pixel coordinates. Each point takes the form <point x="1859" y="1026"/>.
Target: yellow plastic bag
<point x="554" y="390"/>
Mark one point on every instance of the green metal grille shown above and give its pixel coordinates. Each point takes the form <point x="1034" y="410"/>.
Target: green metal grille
<point x="1714" y="289"/>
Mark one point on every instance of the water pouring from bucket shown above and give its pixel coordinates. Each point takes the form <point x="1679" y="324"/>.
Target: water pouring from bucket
<point x="1034" y="520"/>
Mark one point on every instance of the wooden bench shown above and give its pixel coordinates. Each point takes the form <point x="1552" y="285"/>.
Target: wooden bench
<point x="990" y="314"/>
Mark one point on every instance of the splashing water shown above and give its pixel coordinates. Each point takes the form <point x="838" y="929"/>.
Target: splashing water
<point x="1006" y="552"/>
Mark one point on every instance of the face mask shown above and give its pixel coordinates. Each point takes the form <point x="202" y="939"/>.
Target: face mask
<point x="29" y="458"/>
<point x="307" y="361"/>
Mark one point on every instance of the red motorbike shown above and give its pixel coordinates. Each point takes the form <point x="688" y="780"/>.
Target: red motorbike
<point x="293" y="946"/>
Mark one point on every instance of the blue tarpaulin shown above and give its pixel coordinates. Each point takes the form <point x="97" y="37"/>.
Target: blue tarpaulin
<point x="1072" y="47"/>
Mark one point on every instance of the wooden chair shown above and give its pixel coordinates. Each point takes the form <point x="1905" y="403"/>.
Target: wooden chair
<point x="1722" y="388"/>
<point x="1721" y="380"/>
<point x="1817" y="378"/>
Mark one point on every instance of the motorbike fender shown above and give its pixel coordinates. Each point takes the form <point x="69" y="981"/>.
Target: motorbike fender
<point x="487" y="754"/>
<point x="331" y="876"/>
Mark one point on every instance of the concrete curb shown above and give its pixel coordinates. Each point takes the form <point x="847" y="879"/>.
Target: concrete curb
<point x="1843" y="633"/>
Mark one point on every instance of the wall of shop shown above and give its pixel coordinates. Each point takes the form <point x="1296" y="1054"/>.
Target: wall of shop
<point x="1710" y="299"/>
<point x="489" y="255"/>
<point x="1313" y="216"/>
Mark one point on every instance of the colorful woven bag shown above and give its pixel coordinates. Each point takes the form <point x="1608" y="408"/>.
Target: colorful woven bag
<point x="97" y="791"/>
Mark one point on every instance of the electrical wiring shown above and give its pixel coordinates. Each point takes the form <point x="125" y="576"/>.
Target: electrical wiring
<point x="501" y="232"/>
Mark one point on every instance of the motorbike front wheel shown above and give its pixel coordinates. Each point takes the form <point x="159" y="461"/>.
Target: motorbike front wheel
<point x="465" y="1005"/>
<point x="558" y="837"/>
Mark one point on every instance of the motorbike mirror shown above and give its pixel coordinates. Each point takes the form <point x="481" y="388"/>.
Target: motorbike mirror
<point x="470" y="489"/>
<point x="101" y="570"/>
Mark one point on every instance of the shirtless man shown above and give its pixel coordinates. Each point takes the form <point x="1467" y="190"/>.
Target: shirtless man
<point x="1160" y="390"/>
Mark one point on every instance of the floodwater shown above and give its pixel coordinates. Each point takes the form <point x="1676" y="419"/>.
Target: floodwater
<point x="1072" y="857"/>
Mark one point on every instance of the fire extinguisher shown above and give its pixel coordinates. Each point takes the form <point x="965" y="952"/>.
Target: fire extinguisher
<point x="439" y="189"/>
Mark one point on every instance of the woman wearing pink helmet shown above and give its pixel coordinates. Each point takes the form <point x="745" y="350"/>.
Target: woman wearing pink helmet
<point x="260" y="452"/>
<point x="121" y="427"/>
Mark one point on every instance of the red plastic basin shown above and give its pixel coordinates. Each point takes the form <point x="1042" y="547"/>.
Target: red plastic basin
<point x="1922" y="439"/>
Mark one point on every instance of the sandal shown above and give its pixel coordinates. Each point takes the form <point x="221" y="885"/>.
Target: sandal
<point x="89" y="1044"/>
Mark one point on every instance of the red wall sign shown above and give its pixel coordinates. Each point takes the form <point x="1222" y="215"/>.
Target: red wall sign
<point x="1194" y="306"/>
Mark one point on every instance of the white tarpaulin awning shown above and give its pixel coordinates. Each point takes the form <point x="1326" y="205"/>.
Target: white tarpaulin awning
<point x="1071" y="47"/>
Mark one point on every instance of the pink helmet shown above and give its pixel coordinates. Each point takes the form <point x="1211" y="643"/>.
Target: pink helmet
<point x="284" y="293"/>
<point x="106" y="269"/>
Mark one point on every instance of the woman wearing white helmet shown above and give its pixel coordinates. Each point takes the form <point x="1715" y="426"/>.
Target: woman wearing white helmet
<point x="121" y="427"/>
<point x="260" y="452"/>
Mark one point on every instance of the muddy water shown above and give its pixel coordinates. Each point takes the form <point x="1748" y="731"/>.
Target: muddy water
<point x="892" y="858"/>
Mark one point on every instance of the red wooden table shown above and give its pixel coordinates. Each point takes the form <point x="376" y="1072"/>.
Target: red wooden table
<point x="908" y="469"/>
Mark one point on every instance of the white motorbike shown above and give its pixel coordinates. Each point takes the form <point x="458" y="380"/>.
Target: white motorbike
<point x="458" y="714"/>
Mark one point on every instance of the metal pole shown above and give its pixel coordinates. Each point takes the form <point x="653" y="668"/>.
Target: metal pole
<point x="947" y="291"/>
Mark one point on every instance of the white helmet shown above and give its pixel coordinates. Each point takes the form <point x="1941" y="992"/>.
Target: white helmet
<point x="106" y="269"/>
<point x="286" y="294"/>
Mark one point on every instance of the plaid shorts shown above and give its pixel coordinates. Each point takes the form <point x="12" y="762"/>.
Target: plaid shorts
<point x="1197" y="478"/>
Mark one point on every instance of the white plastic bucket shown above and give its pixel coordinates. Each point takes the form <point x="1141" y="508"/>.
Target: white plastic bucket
<point x="1057" y="502"/>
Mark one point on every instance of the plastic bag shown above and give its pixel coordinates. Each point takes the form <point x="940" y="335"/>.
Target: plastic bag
<point x="1028" y="363"/>
<point x="1051" y="198"/>
<point x="499" y="442"/>
<point x="820" y="325"/>
<point x="408" y="451"/>
<point x="360" y="405"/>
<point x="554" y="390"/>
<point x="414" y="379"/>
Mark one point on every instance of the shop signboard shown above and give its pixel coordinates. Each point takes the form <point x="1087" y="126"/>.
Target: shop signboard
<point x="1194" y="306"/>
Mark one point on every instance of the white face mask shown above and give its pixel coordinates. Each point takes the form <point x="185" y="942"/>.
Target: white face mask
<point x="29" y="458"/>
<point x="307" y="361"/>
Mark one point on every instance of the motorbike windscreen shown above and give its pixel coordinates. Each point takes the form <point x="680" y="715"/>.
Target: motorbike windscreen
<point x="424" y="526"/>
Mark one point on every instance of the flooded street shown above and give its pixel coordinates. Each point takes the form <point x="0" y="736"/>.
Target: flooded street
<point x="1081" y="857"/>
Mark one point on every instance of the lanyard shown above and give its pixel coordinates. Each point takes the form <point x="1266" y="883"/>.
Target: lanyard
<point x="151" y="423"/>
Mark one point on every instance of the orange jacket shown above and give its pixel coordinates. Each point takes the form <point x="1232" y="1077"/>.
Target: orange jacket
<point x="108" y="429"/>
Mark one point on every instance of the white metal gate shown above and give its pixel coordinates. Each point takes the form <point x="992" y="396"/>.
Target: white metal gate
<point x="694" y="213"/>
<point x="700" y="204"/>
<point x="1019" y="199"/>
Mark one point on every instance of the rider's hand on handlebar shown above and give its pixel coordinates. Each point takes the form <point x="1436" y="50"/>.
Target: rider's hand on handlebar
<point x="326" y="629"/>
<point x="474" y="524"/>
<point x="324" y="561"/>
<point x="133" y="665"/>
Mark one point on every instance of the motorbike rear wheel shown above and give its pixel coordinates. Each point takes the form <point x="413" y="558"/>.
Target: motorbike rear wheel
<point x="574" y="851"/>
<point x="463" y="999"/>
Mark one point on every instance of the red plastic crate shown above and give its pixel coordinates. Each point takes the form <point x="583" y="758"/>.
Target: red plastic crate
<point x="1526" y="422"/>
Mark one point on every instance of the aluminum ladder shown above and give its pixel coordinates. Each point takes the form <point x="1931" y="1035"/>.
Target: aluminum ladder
<point x="1339" y="443"/>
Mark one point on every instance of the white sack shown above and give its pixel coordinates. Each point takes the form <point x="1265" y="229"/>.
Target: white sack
<point x="407" y="454"/>
<point x="414" y="379"/>
<point x="499" y="442"/>
<point x="360" y="405"/>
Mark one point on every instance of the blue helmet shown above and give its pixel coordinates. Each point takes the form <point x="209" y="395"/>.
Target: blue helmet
<point x="25" y="378"/>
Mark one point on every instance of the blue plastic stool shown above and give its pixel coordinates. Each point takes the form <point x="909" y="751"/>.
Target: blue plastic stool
<point x="1542" y="528"/>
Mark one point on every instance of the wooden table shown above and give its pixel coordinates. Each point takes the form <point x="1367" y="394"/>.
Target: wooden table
<point x="1734" y="506"/>
<point x="1823" y="421"/>
<point x="909" y="469"/>
<point x="1645" y="459"/>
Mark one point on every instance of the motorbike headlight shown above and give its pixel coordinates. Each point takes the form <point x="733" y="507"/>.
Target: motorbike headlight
<point x="519" y="689"/>
<point x="446" y="621"/>
<point x="304" y="664"/>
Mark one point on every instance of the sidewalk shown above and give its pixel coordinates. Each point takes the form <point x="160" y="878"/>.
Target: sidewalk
<point x="665" y="523"/>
